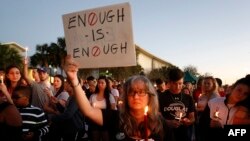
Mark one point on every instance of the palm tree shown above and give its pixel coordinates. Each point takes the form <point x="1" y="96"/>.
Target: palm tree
<point x="9" y="56"/>
<point x="51" y="55"/>
<point x="41" y="57"/>
<point x="61" y="52"/>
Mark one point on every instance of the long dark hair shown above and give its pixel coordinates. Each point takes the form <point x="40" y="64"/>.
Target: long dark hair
<point x="244" y="81"/>
<point x="61" y="89"/>
<point x="107" y="92"/>
<point x="128" y="122"/>
<point x="7" y="80"/>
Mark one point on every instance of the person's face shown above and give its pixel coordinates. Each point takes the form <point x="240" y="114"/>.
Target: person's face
<point x="92" y="86"/>
<point x="57" y="82"/>
<point x="120" y="89"/>
<point x="186" y="91"/>
<point x="14" y="75"/>
<point x="35" y="74"/>
<point x="102" y="84"/>
<point x="208" y="84"/>
<point x="189" y="85"/>
<point x="111" y="83"/>
<point x="138" y="96"/>
<point x="20" y="100"/>
<point x="240" y="93"/>
<point x="176" y="86"/>
<point x="161" y="86"/>
<point x="43" y="76"/>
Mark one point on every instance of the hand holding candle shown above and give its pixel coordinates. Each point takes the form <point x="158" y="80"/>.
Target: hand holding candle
<point x="199" y="96"/>
<point x="216" y="120"/>
<point x="120" y="102"/>
<point x="216" y="114"/>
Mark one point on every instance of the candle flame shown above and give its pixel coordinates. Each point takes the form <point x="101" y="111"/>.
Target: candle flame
<point x="146" y="110"/>
<point x="1" y="78"/>
<point x="120" y="102"/>
<point x="181" y="115"/>
<point x="216" y="114"/>
<point x="199" y="96"/>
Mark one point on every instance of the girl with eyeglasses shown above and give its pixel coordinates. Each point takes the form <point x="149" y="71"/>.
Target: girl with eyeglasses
<point x="127" y="123"/>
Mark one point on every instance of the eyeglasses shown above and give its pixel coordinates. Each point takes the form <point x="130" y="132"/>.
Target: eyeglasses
<point x="139" y="93"/>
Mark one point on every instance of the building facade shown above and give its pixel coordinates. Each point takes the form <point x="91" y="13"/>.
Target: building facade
<point x="148" y="61"/>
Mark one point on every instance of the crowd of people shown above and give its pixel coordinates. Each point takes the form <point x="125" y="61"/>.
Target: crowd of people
<point x="102" y="109"/>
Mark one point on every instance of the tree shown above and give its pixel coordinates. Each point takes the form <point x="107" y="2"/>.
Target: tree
<point x="160" y="73"/>
<point x="51" y="55"/>
<point x="9" y="56"/>
<point x="41" y="57"/>
<point x="192" y="69"/>
<point x="60" y="52"/>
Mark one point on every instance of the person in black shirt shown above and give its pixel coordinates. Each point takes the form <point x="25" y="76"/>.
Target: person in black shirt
<point x="177" y="108"/>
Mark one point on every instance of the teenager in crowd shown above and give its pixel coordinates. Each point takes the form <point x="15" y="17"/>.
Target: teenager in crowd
<point x="129" y="121"/>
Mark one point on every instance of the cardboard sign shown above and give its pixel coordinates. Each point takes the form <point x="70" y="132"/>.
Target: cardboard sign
<point x="101" y="37"/>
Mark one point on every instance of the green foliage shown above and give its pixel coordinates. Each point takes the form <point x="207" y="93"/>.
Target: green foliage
<point x="9" y="56"/>
<point x="159" y="73"/>
<point x="52" y="54"/>
<point x="192" y="69"/>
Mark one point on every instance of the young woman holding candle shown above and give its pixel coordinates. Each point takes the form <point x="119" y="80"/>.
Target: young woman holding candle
<point x="13" y="78"/>
<point x="128" y="122"/>
<point x="221" y="111"/>
<point x="209" y="91"/>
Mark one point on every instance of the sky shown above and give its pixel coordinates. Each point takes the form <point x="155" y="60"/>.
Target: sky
<point x="211" y="35"/>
